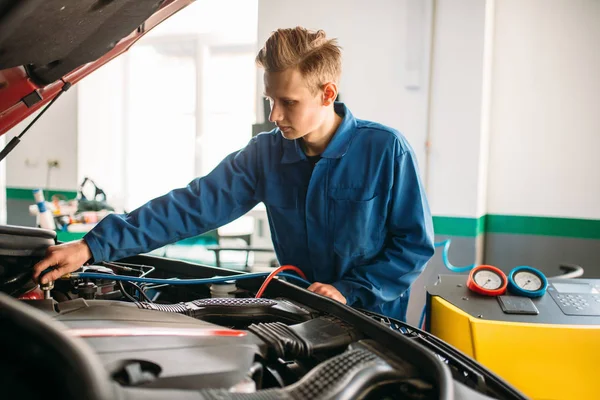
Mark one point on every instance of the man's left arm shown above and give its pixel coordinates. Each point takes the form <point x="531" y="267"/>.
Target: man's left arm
<point x="408" y="247"/>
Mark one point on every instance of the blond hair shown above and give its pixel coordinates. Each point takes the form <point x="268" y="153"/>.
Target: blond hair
<point x="318" y="59"/>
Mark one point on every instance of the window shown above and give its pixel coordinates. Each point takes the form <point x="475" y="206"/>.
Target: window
<point x="160" y="123"/>
<point x="170" y="109"/>
<point x="228" y="112"/>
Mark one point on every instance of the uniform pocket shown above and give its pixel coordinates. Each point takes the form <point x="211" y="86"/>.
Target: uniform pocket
<point x="357" y="226"/>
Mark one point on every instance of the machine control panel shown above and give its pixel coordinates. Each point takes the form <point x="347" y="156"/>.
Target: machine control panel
<point x="576" y="298"/>
<point x="566" y="302"/>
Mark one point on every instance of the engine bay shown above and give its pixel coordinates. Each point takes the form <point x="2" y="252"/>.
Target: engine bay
<point x="162" y="328"/>
<point x="235" y="344"/>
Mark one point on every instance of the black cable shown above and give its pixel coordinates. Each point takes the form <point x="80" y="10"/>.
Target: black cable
<point x="141" y="292"/>
<point x="124" y="292"/>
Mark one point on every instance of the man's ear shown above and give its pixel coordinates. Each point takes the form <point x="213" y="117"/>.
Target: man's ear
<point x="330" y="92"/>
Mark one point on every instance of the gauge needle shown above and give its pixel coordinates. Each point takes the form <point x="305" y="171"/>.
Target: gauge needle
<point x="486" y="282"/>
<point x="527" y="283"/>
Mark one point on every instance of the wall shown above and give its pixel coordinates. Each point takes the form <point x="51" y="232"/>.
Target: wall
<point x="456" y="107"/>
<point x="458" y="137"/>
<point x="515" y="95"/>
<point x="52" y="137"/>
<point x="545" y="119"/>
<point x="544" y="134"/>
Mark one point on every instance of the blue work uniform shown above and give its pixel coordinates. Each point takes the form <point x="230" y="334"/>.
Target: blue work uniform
<point x="358" y="219"/>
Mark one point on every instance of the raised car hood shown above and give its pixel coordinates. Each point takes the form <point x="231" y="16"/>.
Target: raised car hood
<point x="47" y="43"/>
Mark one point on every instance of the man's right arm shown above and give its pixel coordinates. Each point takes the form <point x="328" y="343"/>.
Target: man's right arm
<point x="223" y="195"/>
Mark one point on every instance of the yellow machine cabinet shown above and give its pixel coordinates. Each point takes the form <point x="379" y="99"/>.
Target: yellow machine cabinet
<point x="554" y="354"/>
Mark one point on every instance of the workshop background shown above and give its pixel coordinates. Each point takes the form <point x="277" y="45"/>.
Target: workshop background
<point x="500" y="100"/>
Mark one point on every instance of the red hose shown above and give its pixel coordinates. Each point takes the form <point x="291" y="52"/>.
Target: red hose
<point x="272" y="275"/>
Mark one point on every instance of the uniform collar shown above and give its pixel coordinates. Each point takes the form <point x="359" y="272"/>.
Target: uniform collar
<point x="292" y="150"/>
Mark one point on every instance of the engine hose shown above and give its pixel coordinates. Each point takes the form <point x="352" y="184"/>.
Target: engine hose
<point x="180" y="308"/>
<point x="203" y="281"/>
<point x="274" y="273"/>
<point x="447" y="264"/>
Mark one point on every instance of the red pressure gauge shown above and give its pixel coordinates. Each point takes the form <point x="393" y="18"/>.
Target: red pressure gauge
<point x="487" y="280"/>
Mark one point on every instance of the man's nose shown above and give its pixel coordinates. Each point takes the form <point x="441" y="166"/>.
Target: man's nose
<point x="275" y="114"/>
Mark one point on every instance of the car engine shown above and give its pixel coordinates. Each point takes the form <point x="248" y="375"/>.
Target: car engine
<point x="152" y="334"/>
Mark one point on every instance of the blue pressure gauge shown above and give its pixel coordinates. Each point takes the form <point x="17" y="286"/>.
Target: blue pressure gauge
<point x="527" y="281"/>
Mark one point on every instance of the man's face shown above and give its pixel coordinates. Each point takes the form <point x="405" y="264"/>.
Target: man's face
<point x="294" y="108"/>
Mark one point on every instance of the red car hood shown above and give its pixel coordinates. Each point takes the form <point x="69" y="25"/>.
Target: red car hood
<point x="47" y="43"/>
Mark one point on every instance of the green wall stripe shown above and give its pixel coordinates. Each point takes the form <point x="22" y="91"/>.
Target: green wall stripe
<point x="517" y="225"/>
<point x="27" y="194"/>
<point x="450" y="226"/>
<point x="543" y="226"/>
<point x="458" y="226"/>
<point x="481" y="225"/>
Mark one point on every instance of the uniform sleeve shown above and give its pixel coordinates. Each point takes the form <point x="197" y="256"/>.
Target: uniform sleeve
<point x="206" y="203"/>
<point x="409" y="243"/>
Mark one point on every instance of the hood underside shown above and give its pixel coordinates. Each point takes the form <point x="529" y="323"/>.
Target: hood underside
<point x="47" y="43"/>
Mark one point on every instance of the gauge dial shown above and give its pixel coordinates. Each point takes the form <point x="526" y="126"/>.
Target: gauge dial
<point x="527" y="281"/>
<point x="487" y="280"/>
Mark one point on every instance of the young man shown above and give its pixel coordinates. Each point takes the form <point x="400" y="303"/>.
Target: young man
<point x="343" y="195"/>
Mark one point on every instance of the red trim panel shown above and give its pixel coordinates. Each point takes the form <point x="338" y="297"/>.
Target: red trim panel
<point x="122" y="332"/>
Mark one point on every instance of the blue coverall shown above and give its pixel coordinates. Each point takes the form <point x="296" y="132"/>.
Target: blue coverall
<point x="359" y="220"/>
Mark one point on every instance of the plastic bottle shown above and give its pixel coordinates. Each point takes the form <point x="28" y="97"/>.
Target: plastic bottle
<point x="45" y="217"/>
<point x="222" y="290"/>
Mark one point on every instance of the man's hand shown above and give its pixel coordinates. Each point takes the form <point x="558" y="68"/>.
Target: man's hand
<point x="327" y="290"/>
<point x="66" y="258"/>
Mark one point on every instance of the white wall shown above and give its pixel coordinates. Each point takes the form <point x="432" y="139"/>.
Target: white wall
<point x="545" y="133"/>
<point x="52" y="137"/>
<point x="376" y="69"/>
<point x="457" y="87"/>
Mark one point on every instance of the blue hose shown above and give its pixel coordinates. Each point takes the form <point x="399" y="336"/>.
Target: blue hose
<point x="446" y="244"/>
<point x="93" y="275"/>
<point x="447" y="264"/>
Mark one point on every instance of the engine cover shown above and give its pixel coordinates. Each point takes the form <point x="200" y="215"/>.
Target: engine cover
<point x="157" y="349"/>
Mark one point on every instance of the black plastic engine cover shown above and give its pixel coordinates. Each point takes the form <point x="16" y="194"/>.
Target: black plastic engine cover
<point x="172" y="350"/>
<point x="20" y="241"/>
